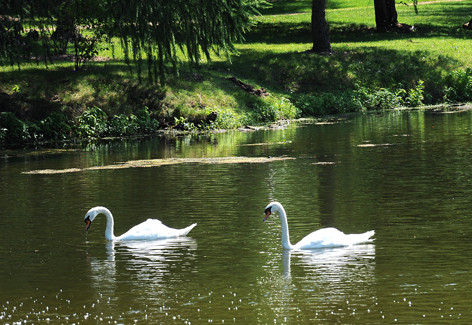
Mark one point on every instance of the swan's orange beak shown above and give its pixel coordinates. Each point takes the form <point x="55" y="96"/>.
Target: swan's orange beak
<point x="88" y="224"/>
<point x="267" y="214"/>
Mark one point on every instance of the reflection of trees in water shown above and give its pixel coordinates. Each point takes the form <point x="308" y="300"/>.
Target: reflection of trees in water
<point x="326" y="191"/>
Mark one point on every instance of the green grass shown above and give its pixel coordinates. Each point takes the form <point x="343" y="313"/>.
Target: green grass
<point x="361" y="56"/>
<point x="366" y="67"/>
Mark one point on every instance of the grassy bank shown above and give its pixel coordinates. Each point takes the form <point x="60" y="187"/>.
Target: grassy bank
<point x="367" y="71"/>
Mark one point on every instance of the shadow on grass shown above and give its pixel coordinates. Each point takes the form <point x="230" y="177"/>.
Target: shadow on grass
<point x="285" y="33"/>
<point x="40" y="91"/>
<point x="433" y="21"/>
<point x="115" y="89"/>
<point x="366" y="67"/>
<point x="452" y="14"/>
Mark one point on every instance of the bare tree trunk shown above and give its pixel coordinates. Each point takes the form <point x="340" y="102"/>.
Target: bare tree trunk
<point x="386" y="17"/>
<point x="319" y="27"/>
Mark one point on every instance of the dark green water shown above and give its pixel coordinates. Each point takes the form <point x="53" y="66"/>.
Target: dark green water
<point x="408" y="176"/>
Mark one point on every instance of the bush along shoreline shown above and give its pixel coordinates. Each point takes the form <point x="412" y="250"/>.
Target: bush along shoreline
<point x="94" y="123"/>
<point x="56" y="128"/>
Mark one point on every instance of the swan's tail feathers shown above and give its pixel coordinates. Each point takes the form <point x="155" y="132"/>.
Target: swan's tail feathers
<point x="366" y="237"/>
<point x="185" y="231"/>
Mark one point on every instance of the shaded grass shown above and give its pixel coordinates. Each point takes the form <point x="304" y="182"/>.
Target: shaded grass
<point x="32" y="94"/>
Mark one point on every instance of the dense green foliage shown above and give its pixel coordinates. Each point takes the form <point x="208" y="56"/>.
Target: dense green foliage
<point x="92" y="124"/>
<point x="359" y="100"/>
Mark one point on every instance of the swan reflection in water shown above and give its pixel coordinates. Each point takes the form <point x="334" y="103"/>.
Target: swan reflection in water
<point x="332" y="263"/>
<point x="140" y="263"/>
<point x="332" y="276"/>
<point x="319" y="280"/>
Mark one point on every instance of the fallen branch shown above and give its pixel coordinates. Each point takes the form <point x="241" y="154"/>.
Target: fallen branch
<point x="261" y="92"/>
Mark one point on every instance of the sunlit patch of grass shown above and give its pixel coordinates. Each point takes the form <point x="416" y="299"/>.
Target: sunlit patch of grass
<point x="80" y="93"/>
<point x="195" y="100"/>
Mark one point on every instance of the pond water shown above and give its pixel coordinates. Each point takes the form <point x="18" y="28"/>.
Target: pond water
<point x="406" y="175"/>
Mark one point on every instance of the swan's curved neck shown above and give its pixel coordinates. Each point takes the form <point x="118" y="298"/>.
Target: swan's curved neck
<point x="285" y="235"/>
<point x="110" y="223"/>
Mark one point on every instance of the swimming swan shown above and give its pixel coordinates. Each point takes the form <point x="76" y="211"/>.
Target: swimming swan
<point x="326" y="237"/>
<point x="150" y="229"/>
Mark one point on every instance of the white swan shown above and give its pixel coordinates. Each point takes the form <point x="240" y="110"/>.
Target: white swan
<point x="326" y="237"/>
<point x="150" y="229"/>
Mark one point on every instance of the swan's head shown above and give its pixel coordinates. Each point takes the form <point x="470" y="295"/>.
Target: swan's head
<point x="273" y="207"/>
<point x="89" y="216"/>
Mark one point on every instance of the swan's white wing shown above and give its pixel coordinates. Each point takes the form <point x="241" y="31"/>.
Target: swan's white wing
<point x="153" y="229"/>
<point x="326" y="237"/>
<point x="332" y="237"/>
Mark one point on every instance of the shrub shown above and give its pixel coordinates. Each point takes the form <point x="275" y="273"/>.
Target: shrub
<point x="145" y="124"/>
<point x="359" y="100"/>
<point x="54" y="127"/>
<point x="92" y="123"/>
<point x="120" y="125"/>
<point x="329" y="103"/>
<point x="458" y="85"/>
<point x="311" y="105"/>
<point x="182" y="123"/>
<point x="380" y="99"/>
<point x="13" y="130"/>
<point x="273" y="108"/>
<point x="229" y="119"/>
<point x="415" y="96"/>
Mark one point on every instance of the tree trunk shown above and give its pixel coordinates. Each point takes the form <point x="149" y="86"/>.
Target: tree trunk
<point x="319" y="27"/>
<point x="386" y="17"/>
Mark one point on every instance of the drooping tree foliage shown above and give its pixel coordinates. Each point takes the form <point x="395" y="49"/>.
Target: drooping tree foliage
<point x="160" y="29"/>
<point x="155" y="31"/>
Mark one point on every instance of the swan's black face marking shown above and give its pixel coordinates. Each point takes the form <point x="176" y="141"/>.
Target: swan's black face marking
<point x="267" y="212"/>
<point x="88" y="223"/>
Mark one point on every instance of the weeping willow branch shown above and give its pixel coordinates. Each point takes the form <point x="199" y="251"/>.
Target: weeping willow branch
<point x="161" y="33"/>
<point x="161" y="29"/>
